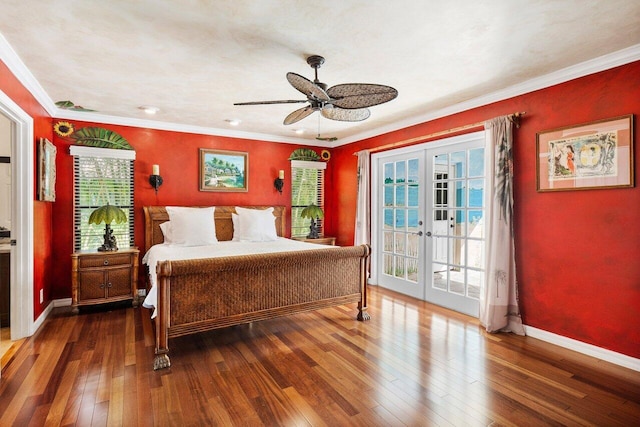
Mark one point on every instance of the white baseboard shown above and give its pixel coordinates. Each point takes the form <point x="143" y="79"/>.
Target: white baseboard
<point x="584" y="348"/>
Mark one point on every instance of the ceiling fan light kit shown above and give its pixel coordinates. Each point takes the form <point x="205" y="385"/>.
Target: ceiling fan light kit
<point x="348" y="102"/>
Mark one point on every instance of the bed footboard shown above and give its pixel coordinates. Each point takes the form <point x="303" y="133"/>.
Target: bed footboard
<point x="204" y="294"/>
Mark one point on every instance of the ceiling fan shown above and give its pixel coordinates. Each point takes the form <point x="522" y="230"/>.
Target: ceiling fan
<point x="343" y="102"/>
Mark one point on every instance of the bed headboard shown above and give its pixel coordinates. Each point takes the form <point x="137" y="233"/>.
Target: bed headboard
<point x="156" y="215"/>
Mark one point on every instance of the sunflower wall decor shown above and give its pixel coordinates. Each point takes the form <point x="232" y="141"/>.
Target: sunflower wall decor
<point x="92" y="136"/>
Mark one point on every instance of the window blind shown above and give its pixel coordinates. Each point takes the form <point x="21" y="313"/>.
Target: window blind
<point x="102" y="176"/>
<point x="307" y="187"/>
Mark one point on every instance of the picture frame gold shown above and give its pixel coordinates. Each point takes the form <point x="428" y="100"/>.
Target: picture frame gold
<point x="587" y="156"/>
<point x="222" y="170"/>
<point x="46" y="171"/>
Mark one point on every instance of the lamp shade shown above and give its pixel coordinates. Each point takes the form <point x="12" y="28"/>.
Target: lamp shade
<point x="107" y="214"/>
<point x="312" y="211"/>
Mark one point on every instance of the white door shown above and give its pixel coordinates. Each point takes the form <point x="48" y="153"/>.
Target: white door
<point x="455" y="230"/>
<point x="429" y="211"/>
<point x="401" y="218"/>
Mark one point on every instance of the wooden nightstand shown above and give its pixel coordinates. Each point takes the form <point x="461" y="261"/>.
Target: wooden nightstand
<point x="101" y="277"/>
<point x="331" y="241"/>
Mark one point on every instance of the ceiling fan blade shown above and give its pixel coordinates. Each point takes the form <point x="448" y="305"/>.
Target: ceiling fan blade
<point x="298" y="115"/>
<point x="284" y="101"/>
<point x="346" y="115"/>
<point x="360" y="95"/>
<point x="306" y="86"/>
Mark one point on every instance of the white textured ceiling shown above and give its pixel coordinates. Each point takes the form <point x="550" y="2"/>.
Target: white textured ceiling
<point x="194" y="58"/>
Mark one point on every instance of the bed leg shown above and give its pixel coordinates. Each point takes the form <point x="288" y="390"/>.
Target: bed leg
<point x="362" y="313"/>
<point x="161" y="361"/>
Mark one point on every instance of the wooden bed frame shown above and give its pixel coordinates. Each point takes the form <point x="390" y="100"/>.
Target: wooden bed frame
<point x="204" y="294"/>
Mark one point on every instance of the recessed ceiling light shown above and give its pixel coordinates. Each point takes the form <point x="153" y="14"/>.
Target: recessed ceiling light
<point x="149" y="109"/>
<point x="233" y="122"/>
<point x="299" y="131"/>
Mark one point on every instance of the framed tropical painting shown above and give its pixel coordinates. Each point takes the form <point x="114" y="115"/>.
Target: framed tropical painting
<point x="223" y="170"/>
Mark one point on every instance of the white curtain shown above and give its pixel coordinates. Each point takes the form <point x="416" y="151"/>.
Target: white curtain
<point x="363" y="207"/>
<point x="499" y="311"/>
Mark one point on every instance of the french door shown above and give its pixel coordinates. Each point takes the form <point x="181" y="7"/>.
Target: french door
<point x="429" y="214"/>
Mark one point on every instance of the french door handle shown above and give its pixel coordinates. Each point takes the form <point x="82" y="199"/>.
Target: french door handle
<point x="419" y="233"/>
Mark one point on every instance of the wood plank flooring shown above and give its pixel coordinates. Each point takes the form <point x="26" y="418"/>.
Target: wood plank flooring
<point x="413" y="364"/>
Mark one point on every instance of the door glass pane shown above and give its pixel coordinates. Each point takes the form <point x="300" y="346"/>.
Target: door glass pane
<point x="388" y="241"/>
<point x="400" y="195"/>
<point x="401" y="172"/>
<point x="458" y="252"/>
<point x="439" y="249"/>
<point x="442" y="160"/>
<point x="388" y="195"/>
<point x="413" y="199"/>
<point x="413" y="171"/>
<point x="440" y="276"/>
<point x="476" y="162"/>
<point x="399" y="272"/>
<point x="457" y="281"/>
<point x="412" y="245"/>
<point x="388" y="218"/>
<point x="400" y="220"/>
<point x="476" y="224"/>
<point x="459" y="223"/>
<point x="412" y="269"/>
<point x="476" y="193"/>
<point x="388" y="173"/>
<point x="461" y="194"/>
<point x="458" y="163"/>
<point x="475" y="280"/>
<point x="412" y="220"/>
<point x="475" y="253"/>
<point x="388" y="264"/>
<point x="399" y="239"/>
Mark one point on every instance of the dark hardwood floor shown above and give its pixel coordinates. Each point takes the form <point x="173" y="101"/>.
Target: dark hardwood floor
<point x="413" y="364"/>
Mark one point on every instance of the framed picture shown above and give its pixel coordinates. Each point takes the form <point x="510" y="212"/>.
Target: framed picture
<point x="46" y="171"/>
<point x="223" y="170"/>
<point x="586" y="156"/>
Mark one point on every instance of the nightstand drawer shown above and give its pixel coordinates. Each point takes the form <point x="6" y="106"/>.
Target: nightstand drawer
<point x="104" y="261"/>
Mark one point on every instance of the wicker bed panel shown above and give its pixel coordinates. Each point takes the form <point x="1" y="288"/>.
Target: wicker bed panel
<point x="204" y="294"/>
<point x="310" y="277"/>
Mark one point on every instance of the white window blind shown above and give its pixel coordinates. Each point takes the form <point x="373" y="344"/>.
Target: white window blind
<point x="307" y="187"/>
<point x="102" y="176"/>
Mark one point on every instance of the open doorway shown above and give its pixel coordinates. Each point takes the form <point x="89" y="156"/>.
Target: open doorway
<point x="5" y="233"/>
<point x="21" y="245"/>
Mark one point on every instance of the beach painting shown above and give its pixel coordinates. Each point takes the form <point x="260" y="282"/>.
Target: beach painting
<point x="223" y="170"/>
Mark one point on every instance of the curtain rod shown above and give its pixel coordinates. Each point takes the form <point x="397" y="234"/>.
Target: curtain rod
<point x="515" y="118"/>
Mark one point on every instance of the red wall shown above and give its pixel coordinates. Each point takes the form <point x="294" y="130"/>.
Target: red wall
<point x="177" y="154"/>
<point x="578" y="252"/>
<point x="43" y="256"/>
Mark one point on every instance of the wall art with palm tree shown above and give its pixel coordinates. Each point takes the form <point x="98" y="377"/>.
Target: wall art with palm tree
<point x="223" y="170"/>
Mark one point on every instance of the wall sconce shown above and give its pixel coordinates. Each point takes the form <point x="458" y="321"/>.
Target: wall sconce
<point x="155" y="179"/>
<point x="279" y="182"/>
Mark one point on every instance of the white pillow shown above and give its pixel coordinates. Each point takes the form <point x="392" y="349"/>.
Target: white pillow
<point x="256" y="225"/>
<point x="192" y="226"/>
<point x="236" y="227"/>
<point x="166" y="232"/>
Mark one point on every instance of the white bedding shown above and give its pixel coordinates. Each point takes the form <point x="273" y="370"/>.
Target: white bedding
<point x="164" y="252"/>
